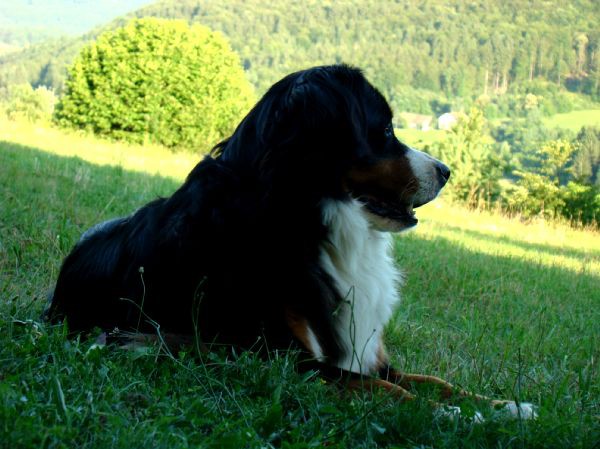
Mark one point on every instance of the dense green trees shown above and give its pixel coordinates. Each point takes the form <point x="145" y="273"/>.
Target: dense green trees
<point x="22" y="102"/>
<point x="435" y="45"/>
<point x="477" y="165"/>
<point x="157" y="80"/>
<point x="586" y="162"/>
<point x="455" y="49"/>
<point x="543" y="174"/>
<point x="539" y="192"/>
<point x="43" y="64"/>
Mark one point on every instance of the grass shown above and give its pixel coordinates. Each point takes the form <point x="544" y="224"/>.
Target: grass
<point x="418" y="138"/>
<point x="149" y="159"/>
<point x="499" y="306"/>
<point x="574" y="120"/>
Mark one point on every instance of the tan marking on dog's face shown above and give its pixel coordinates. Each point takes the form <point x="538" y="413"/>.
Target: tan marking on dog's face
<point x="391" y="185"/>
<point x="387" y="179"/>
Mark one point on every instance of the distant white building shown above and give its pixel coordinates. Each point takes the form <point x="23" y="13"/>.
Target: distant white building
<point x="447" y="121"/>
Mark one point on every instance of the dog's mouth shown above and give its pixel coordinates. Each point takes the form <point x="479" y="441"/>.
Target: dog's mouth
<point x="401" y="213"/>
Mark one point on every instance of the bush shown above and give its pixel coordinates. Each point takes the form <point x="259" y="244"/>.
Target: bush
<point x="586" y="159"/>
<point x="538" y="191"/>
<point x="22" y="102"/>
<point x="581" y="202"/>
<point x="535" y="195"/>
<point x="524" y="135"/>
<point x="157" y="80"/>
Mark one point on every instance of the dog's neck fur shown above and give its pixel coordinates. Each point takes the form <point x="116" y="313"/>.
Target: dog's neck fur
<point x="359" y="260"/>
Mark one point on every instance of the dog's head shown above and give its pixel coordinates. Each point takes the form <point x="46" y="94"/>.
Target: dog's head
<point x="327" y="132"/>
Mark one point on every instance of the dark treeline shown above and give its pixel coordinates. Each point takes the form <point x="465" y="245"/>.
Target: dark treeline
<point x="457" y="48"/>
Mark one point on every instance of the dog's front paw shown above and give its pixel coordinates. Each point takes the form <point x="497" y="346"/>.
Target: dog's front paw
<point x="453" y="413"/>
<point x="448" y="412"/>
<point x="522" y="410"/>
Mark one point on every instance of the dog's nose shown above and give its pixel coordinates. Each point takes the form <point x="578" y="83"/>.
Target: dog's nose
<point x="443" y="171"/>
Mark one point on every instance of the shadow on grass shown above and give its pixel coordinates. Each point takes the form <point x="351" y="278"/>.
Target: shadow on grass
<point x="47" y="201"/>
<point x="31" y="176"/>
<point x="505" y="327"/>
<point x="550" y="310"/>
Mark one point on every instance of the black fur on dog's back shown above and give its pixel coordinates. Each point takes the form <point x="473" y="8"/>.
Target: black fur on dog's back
<point x="236" y="248"/>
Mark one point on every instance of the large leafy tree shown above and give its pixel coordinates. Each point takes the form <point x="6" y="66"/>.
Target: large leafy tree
<point x="157" y="80"/>
<point x="477" y="166"/>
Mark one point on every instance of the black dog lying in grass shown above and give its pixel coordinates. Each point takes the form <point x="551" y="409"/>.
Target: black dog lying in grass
<point x="283" y="235"/>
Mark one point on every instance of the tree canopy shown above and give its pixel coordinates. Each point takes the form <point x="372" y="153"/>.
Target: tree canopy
<point x="158" y="80"/>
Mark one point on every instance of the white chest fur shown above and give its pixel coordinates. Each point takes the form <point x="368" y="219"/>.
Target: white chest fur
<point x="359" y="260"/>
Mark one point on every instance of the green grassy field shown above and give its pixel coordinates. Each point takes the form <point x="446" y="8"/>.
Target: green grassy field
<point x="418" y="139"/>
<point x="498" y="306"/>
<point x="574" y="120"/>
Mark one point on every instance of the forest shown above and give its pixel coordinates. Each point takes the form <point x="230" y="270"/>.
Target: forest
<point x="453" y="49"/>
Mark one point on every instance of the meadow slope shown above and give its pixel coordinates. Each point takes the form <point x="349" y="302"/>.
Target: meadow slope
<point x="574" y="120"/>
<point x="499" y="306"/>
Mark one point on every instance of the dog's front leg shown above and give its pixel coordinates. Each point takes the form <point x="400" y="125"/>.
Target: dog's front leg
<point x="447" y="390"/>
<point x="523" y="410"/>
<point x="370" y="384"/>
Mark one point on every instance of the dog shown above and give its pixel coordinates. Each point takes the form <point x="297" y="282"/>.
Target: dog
<point x="281" y="235"/>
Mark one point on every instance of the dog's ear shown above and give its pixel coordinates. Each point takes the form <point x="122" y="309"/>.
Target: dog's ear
<point x="316" y="101"/>
<point x="295" y="99"/>
<point x="298" y="89"/>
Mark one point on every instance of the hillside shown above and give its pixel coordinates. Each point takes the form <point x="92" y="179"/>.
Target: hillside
<point x="493" y="304"/>
<point x="448" y="47"/>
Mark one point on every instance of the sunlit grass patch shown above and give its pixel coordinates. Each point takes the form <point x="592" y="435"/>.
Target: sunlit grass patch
<point x="151" y="159"/>
<point x="574" y="120"/>
<point x="418" y="138"/>
<point x="549" y="243"/>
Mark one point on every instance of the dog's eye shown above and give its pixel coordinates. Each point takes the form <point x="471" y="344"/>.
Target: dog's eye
<point x="389" y="131"/>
